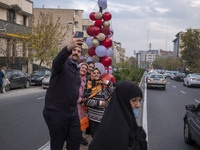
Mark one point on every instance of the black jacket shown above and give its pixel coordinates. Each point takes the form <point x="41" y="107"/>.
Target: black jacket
<point x="63" y="91"/>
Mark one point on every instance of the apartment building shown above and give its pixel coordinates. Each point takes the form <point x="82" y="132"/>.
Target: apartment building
<point x="177" y="43"/>
<point x="14" y="17"/>
<point x="118" y="53"/>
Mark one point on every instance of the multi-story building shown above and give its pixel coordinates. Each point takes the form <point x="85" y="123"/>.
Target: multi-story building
<point x="69" y="18"/>
<point x="165" y="54"/>
<point x="14" y="17"/>
<point x="118" y="53"/>
<point x="177" y="43"/>
<point x="146" y="57"/>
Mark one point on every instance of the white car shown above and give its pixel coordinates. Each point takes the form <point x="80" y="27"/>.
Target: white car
<point x="148" y="74"/>
<point x="45" y="81"/>
<point x="173" y="75"/>
<point x="192" y="80"/>
<point x="156" y="80"/>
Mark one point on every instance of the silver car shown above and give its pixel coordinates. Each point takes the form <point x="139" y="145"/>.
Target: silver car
<point x="45" y="81"/>
<point x="156" y="80"/>
<point x="192" y="80"/>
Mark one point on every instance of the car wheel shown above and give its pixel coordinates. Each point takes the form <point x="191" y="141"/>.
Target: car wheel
<point x="27" y="85"/>
<point x="183" y="83"/>
<point x="188" y="84"/>
<point x="7" y="88"/>
<point x="163" y="88"/>
<point x="187" y="135"/>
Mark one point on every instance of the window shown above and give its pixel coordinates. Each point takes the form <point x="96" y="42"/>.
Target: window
<point x="24" y="20"/>
<point x="11" y="15"/>
<point x="84" y="28"/>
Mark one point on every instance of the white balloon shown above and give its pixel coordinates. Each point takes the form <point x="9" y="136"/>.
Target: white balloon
<point x="100" y="51"/>
<point x="89" y="59"/>
<point x="89" y="41"/>
<point x="102" y="3"/>
<point x="100" y="66"/>
<point x="109" y="52"/>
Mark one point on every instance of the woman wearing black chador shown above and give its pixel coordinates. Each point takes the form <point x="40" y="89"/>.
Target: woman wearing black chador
<point x="119" y="129"/>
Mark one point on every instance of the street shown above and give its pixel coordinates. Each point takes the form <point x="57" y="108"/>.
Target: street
<point x="165" y="112"/>
<point x="22" y="125"/>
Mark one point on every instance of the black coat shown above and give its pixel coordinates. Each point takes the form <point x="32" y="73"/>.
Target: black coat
<point x="118" y="129"/>
<point x="63" y="91"/>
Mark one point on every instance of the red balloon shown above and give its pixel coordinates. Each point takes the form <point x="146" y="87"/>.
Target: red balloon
<point x="91" y="51"/>
<point x="96" y="30"/>
<point x="106" y="61"/>
<point x="89" y="30"/>
<point x="92" y="16"/>
<point x="98" y="23"/>
<point x="105" y="30"/>
<point x="108" y="76"/>
<point x="107" y="42"/>
<point x="107" y="16"/>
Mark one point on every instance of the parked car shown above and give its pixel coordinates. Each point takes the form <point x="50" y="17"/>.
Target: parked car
<point x="179" y="77"/>
<point x="192" y="124"/>
<point x="192" y="80"/>
<point x="45" y="81"/>
<point x="156" y="80"/>
<point x="38" y="76"/>
<point x="17" y="78"/>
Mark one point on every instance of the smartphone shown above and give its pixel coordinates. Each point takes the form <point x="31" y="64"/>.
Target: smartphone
<point x="79" y="34"/>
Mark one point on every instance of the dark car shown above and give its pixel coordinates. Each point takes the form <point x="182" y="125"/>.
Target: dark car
<point x="192" y="124"/>
<point x="38" y="76"/>
<point x="17" y="78"/>
<point x="179" y="76"/>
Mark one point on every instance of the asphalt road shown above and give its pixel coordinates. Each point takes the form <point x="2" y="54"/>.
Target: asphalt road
<point x="165" y="112"/>
<point x="22" y="126"/>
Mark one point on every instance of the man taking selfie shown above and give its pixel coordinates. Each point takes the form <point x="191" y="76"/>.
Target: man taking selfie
<point x="60" y="111"/>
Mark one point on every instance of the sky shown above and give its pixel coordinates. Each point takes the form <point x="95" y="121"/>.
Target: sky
<point x="140" y="23"/>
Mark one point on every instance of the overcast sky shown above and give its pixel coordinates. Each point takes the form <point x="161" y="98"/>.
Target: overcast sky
<point x="137" y="23"/>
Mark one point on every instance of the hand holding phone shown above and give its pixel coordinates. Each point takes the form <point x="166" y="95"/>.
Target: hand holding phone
<point x="79" y="34"/>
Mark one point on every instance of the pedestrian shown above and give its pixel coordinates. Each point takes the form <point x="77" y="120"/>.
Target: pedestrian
<point x="119" y="129"/>
<point x="60" y="110"/>
<point x="2" y="76"/>
<point x="80" y="105"/>
<point x="90" y="70"/>
<point x="96" y="98"/>
<point x="4" y="79"/>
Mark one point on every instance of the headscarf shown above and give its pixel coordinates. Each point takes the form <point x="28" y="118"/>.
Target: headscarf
<point x="118" y="128"/>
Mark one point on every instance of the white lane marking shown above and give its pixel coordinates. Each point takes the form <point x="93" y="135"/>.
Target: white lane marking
<point x="183" y="92"/>
<point x="174" y="86"/>
<point x="144" y="119"/>
<point x="45" y="147"/>
<point x="197" y="101"/>
<point x="41" y="97"/>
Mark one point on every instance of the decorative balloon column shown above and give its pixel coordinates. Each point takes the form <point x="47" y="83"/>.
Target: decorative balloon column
<point x="99" y="41"/>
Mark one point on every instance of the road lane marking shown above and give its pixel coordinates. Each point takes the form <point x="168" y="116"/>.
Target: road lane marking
<point x="45" y="147"/>
<point x="144" y="119"/>
<point x="41" y="97"/>
<point x="174" y="86"/>
<point x="197" y="101"/>
<point x="183" y="92"/>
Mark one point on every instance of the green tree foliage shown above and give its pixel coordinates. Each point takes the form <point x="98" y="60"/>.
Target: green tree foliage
<point x="45" y="38"/>
<point x="191" y="49"/>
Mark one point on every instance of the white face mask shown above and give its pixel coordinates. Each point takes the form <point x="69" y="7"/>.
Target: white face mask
<point x="136" y="112"/>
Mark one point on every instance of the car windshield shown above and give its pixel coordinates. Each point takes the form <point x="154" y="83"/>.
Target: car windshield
<point x="195" y="76"/>
<point x="157" y="76"/>
<point x="8" y="73"/>
<point x="181" y="74"/>
<point x="39" y="73"/>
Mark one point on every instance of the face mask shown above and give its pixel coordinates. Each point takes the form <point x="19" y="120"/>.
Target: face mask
<point x="136" y="112"/>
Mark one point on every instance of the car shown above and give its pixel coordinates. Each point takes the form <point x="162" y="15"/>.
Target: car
<point x="173" y="75"/>
<point x="148" y="74"/>
<point x="179" y="76"/>
<point x="192" y="124"/>
<point x="156" y="80"/>
<point x="167" y="74"/>
<point x="45" y="81"/>
<point x="192" y="80"/>
<point x="17" y="79"/>
<point x="38" y="76"/>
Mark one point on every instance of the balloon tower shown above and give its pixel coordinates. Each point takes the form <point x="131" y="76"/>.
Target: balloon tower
<point x="100" y="42"/>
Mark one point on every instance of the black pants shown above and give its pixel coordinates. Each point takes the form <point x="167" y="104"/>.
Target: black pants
<point x="94" y="126"/>
<point x="63" y="127"/>
<point x="1" y="88"/>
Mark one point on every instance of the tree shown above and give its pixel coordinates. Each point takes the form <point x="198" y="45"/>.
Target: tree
<point x="45" y="38"/>
<point x="191" y="49"/>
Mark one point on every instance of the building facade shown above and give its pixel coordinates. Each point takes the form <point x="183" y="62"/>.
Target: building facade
<point x="119" y="53"/>
<point x="14" y="17"/>
<point x="177" y="43"/>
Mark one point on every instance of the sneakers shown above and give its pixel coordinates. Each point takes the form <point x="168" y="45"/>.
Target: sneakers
<point x="84" y="141"/>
